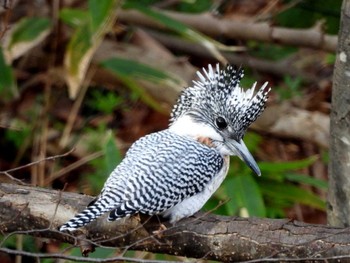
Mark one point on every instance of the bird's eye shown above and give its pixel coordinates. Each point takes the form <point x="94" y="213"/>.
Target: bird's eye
<point x="221" y="123"/>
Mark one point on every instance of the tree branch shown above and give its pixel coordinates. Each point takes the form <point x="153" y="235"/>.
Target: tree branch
<point x="287" y="121"/>
<point x="240" y="30"/>
<point x="38" y="211"/>
<point x="280" y="68"/>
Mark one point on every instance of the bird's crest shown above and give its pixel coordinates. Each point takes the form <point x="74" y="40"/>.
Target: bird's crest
<point x="218" y="93"/>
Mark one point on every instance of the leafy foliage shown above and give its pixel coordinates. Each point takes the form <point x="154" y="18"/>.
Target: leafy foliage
<point x="248" y="194"/>
<point x="312" y="11"/>
<point x="128" y="71"/>
<point x="106" y="103"/>
<point x="251" y="196"/>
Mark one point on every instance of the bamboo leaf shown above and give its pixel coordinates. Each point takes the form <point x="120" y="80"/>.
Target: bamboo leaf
<point x="266" y="167"/>
<point x="308" y="180"/>
<point x="139" y="91"/>
<point x="245" y="194"/>
<point x="134" y="69"/>
<point x="77" y="58"/>
<point x="291" y="193"/>
<point x="26" y="34"/>
<point x="101" y="13"/>
<point x="85" y="41"/>
<point x="74" y="17"/>
<point x="128" y="71"/>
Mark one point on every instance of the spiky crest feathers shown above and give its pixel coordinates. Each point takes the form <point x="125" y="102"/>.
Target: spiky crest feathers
<point x="218" y="92"/>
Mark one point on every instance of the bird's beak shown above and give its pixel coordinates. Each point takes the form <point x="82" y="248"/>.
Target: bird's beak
<point x="241" y="150"/>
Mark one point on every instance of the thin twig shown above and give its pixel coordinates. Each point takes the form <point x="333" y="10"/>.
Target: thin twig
<point x="38" y="161"/>
<point x="75" y="109"/>
<point x="8" y="175"/>
<point x="73" y="166"/>
<point x="13" y="178"/>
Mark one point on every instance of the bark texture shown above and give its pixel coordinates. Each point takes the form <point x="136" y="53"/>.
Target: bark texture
<point x="339" y="166"/>
<point x="39" y="212"/>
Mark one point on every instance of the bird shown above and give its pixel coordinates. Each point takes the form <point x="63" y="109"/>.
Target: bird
<point x="172" y="173"/>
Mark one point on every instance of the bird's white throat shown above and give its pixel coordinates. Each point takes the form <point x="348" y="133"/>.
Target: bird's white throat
<point x="186" y="126"/>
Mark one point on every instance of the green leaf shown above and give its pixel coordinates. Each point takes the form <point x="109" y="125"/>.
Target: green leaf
<point x="77" y="58"/>
<point x="25" y="35"/>
<point x="105" y="103"/>
<point x="112" y="154"/>
<point x="74" y="17"/>
<point x="29" y="29"/>
<point x="304" y="179"/>
<point x="134" y="69"/>
<point x="86" y="40"/>
<point x="128" y="71"/>
<point x="139" y="91"/>
<point x="266" y="167"/>
<point x="100" y="12"/>
<point x="8" y="86"/>
<point x="245" y="194"/>
<point x="292" y="194"/>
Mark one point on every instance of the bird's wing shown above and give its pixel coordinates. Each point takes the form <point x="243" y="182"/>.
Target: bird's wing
<point x="159" y="171"/>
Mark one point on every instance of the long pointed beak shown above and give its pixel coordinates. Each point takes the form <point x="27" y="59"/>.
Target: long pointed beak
<point x="241" y="150"/>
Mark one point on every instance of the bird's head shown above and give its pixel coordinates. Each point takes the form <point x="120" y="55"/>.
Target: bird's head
<point x="216" y="107"/>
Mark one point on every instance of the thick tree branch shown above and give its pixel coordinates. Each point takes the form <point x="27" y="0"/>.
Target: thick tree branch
<point x="240" y="30"/>
<point x="37" y="211"/>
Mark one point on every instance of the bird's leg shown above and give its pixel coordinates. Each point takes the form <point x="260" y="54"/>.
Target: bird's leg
<point x="206" y="141"/>
<point x="161" y="227"/>
<point x="153" y="224"/>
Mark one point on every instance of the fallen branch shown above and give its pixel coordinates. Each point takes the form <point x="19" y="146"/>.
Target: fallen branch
<point x="280" y="68"/>
<point x="240" y="30"/>
<point x="287" y="121"/>
<point x="37" y="211"/>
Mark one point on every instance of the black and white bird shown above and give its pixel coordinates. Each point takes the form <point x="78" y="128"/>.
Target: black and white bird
<point x="172" y="173"/>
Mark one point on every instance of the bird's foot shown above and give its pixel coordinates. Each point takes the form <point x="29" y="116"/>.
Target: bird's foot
<point x="158" y="233"/>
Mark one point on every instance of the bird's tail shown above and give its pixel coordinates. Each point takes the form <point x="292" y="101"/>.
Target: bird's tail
<point x="91" y="213"/>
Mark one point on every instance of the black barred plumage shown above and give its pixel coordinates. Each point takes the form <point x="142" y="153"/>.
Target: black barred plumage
<point x="173" y="173"/>
<point x="138" y="184"/>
